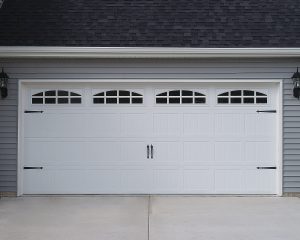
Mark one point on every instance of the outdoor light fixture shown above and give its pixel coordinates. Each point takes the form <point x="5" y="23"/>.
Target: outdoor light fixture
<point x="3" y="84"/>
<point x="296" y="81"/>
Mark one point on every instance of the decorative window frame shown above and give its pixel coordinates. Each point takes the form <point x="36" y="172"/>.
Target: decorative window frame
<point x="127" y="100"/>
<point x="202" y="98"/>
<point x="62" y="99"/>
<point x="242" y="98"/>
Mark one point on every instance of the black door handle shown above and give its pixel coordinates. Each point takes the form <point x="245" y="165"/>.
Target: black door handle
<point x="266" y="111"/>
<point x="266" y="167"/>
<point x="33" y="168"/>
<point x="152" y="151"/>
<point x="33" y="111"/>
<point x="148" y="151"/>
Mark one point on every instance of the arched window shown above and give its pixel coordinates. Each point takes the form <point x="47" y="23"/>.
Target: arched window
<point x="56" y="97"/>
<point x="180" y="97"/>
<point x="242" y="97"/>
<point x="118" y="97"/>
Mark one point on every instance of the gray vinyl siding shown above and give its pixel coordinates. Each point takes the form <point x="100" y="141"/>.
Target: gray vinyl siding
<point x="150" y="69"/>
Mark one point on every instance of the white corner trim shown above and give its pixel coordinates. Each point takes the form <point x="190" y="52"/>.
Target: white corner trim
<point x="145" y="52"/>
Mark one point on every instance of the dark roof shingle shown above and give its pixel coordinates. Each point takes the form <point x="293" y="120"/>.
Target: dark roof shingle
<point x="150" y="23"/>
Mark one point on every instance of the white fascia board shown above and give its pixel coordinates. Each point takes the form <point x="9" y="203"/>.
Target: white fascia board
<point x="145" y="52"/>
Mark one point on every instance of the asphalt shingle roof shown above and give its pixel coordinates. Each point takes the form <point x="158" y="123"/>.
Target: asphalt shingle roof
<point x="151" y="23"/>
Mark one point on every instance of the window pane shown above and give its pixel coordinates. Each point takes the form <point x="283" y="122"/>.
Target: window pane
<point x="174" y="100"/>
<point x="174" y="93"/>
<point x="99" y="94"/>
<point x="198" y="94"/>
<point x="224" y="94"/>
<point x="161" y="100"/>
<point x="124" y="93"/>
<point x="50" y="93"/>
<point x="260" y="94"/>
<point x="261" y="100"/>
<point x="236" y="93"/>
<point x="111" y="100"/>
<point x="137" y="100"/>
<point x="99" y="100"/>
<point x="124" y="100"/>
<point x="162" y="94"/>
<point x="62" y="100"/>
<point x="38" y="94"/>
<point x="248" y="93"/>
<point x="223" y="100"/>
<point x="74" y="94"/>
<point x="249" y="100"/>
<point x="62" y="93"/>
<point x="136" y="94"/>
<point x="236" y="100"/>
<point x="199" y="100"/>
<point x="111" y="93"/>
<point x="50" y="100"/>
<point x="187" y="93"/>
<point x="75" y="100"/>
<point x="187" y="100"/>
<point x="37" y="101"/>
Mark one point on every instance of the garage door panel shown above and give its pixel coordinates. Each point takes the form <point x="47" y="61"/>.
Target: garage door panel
<point x="135" y="125"/>
<point x="198" y="180"/>
<point x="258" y="181"/>
<point x="103" y="180"/>
<point x="103" y="125"/>
<point x="229" y="124"/>
<point x="226" y="151"/>
<point x="104" y="152"/>
<point x="228" y="180"/>
<point x="260" y="153"/>
<point x="135" y="180"/>
<point x="167" y="180"/>
<point x="43" y="153"/>
<point x="55" y="125"/>
<point x="166" y="125"/>
<point x="133" y="152"/>
<point x="260" y="125"/>
<point x="198" y="152"/>
<point x="167" y="153"/>
<point x="200" y="125"/>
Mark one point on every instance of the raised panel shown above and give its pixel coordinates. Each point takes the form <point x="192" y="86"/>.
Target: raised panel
<point x="55" y="125"/>
<point x="167" y="180"/>
<point x="198" y="180"/>
<point x="198" y="124"/>
<point x="229" y="124"/>
<point x="198" y="152"/>
<point x="228" y="181"/>
<point x="167" y="124"/>
<point x="260" y="153"/>
<point x="227" y="152"/>
<point x="103" y="125"/>
<point x="135" y="124"/>
<point x="260" y="125"/>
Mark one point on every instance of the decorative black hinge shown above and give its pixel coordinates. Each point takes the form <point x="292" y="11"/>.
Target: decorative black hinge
<point x="266" y="167"/>
<point x="33" y="167"/>
<point x="266" y="111"/>
<point x="32" y="111"/>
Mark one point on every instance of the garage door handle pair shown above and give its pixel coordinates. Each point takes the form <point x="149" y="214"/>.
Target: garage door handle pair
<point x="150" y="150"/>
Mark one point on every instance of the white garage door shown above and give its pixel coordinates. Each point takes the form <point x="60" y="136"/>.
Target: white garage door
<point x="150" y="138"/>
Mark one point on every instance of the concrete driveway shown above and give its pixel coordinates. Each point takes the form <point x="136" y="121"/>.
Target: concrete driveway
<point x="154" y="218"/>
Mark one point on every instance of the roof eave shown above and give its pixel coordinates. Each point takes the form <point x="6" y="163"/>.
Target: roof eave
<point x="144" y="52"/>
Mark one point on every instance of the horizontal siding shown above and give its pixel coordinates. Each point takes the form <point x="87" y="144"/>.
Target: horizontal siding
<point x="150" y="69"/>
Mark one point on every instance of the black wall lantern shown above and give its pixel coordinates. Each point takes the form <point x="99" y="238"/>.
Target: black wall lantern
<point x="3" y="84"/>
<point x="296" y="81"/>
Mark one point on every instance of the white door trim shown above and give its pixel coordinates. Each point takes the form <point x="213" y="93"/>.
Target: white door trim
<point x="21" y="107"/>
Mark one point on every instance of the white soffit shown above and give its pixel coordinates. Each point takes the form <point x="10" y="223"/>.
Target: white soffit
<point x="145" y="52"/>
